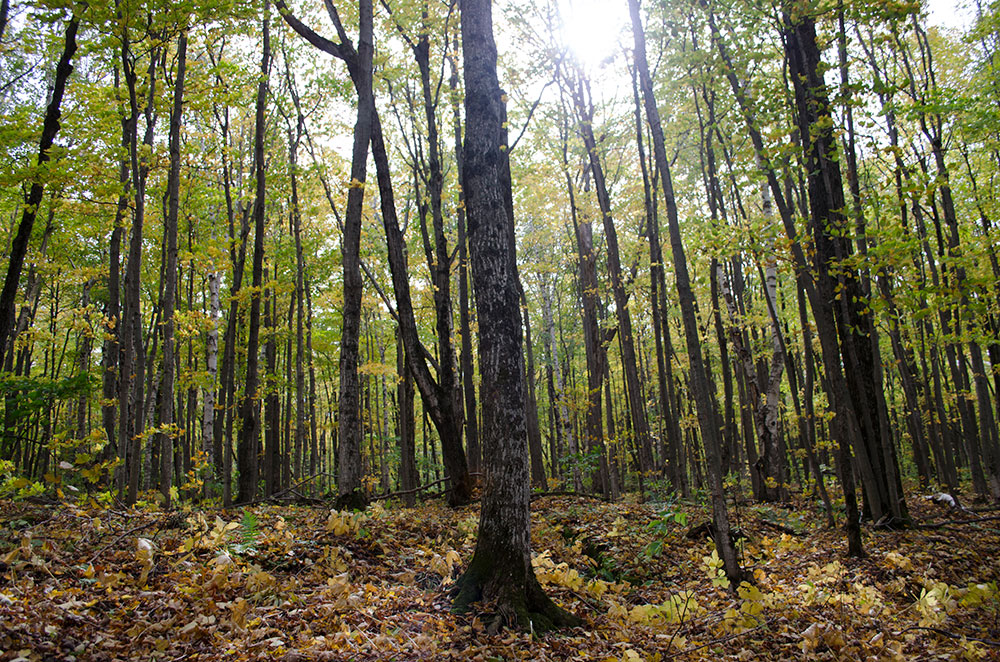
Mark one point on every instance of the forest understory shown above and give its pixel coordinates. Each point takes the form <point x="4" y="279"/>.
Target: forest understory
<point x="311" y="583"/>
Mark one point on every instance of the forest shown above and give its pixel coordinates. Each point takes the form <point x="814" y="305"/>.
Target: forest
<point x="460" y="329"/>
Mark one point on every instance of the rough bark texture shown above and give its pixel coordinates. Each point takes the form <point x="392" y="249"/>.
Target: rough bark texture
<point x="468" y="369"/>
<point x="406" y="428"/>
<point x="500" y="569"/>
<point x="349" y="469"/>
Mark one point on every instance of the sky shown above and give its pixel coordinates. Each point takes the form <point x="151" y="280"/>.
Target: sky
<point x="592" y="26"/>
<point x="949" y="13"/>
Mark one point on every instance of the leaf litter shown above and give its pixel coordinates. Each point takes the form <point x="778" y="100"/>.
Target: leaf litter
<point x="306" y="583"/>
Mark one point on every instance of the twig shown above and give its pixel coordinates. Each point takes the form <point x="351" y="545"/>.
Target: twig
<point x="390" y="495"/>
<point x="723" y="639"/>
<point x="951" y="635"/>
<point x="285" y="491"/>
<point x="114" y="542"/>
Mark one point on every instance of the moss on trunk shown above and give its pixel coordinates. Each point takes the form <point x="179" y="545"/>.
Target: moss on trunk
<point x="510" y="596"/>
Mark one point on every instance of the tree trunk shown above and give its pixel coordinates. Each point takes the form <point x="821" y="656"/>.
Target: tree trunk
<point x="500" y="569"/>
<point x="637" y="408"/>
<point x="50" y="127"/>
<point x="249" y="408"/>
<point x="700" y="385"/>
<point x="166" y="433"/>
<point x="468" y="368"/>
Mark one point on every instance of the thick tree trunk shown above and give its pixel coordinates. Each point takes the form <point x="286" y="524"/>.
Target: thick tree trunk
<point x="349" y="469"/>
<point x="500" y="569"/>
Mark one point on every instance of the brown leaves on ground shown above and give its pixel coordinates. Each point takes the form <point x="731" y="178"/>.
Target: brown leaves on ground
<point x="310" y="584"/>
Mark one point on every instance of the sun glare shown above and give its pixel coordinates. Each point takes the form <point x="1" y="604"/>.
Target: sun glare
<point x="592" y="29"/>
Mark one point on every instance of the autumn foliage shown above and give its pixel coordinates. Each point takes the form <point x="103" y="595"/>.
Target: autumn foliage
<point x="298" y="583"/>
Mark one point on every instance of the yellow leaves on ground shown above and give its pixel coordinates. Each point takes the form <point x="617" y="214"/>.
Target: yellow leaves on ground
<point x="314" y="584"/>
<point x="343" y="522"/>
<point x="445" y="565"/>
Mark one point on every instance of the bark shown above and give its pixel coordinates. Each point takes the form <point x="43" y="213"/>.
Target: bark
<point x="166" y="433"/>
<point x="112" y="313"/>
<point x="50" y="128"/>
<point x="406" y="428"/>
<point x="853" y="323"/>
<point x="700" y="386"/>
<point x="449" y="386"/>
<point x="563" y="428"/>
<point x="212" y="370"/>
<point x="317" y="449"/>
<point x="468" y="368"/>
<point x="500" y="569"/>
<point x="594" y="348"/>
<point x="249" y="408"/>
<point x="132" y="353"/>
<point x="272" y="399"/>
<point x="531" y="409"/>
<point x="845" y="425"/>
<point x="439" y="398"/>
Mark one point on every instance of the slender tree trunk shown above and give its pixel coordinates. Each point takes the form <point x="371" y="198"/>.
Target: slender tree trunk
<point x="50" y="127"/>
<point x="531" y="411"/>
<point x="468" y="368"/>
<point x="132" y="355"/>
<point x="637" y="409"/>
<point x="166" y="434"/>
<point x="249" y="408"/>
<point x="700" y="385"/>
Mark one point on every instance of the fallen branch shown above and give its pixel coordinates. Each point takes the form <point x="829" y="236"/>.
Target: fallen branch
<point x="582" y="495"/>
<point x="277" y="495"/>
<point x="778" y="527"/>
<point x="956" y="522"/>
<point x="951" y="635"/>
<point x="390" y="495"/>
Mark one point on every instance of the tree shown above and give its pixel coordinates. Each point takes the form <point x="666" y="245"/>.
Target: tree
<point x="500" y="569"/>
<point x="249" y="408"/>
<point x="700" y="383"/>
<point x="50" y="128"/>
<point x="166" y="434"/>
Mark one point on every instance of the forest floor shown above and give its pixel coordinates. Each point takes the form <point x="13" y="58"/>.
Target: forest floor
<point x="308" y="583"/>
